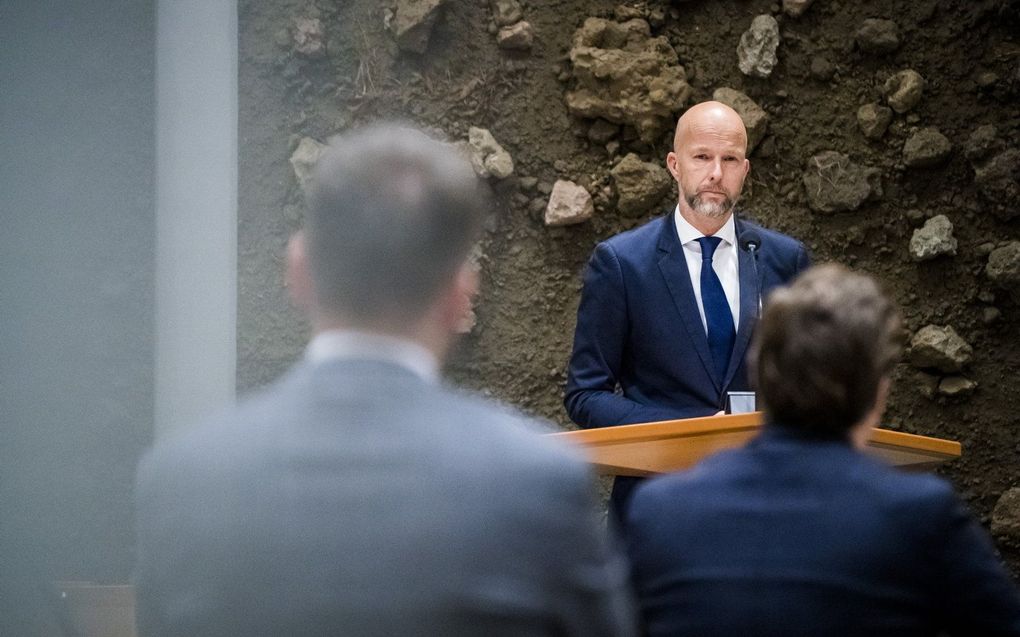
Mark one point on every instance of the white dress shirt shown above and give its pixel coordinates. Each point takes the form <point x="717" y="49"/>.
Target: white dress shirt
<point x="370" y="346"/>
<point x="724" y="262"/>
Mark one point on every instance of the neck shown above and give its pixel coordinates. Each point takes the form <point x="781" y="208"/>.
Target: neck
<point x="420" y="333"/>
<point x="706" y="225"/>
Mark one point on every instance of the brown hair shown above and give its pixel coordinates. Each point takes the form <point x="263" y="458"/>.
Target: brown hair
<point x="822" y="348"/>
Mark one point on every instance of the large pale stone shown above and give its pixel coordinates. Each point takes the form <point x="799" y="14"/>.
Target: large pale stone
<point x="933" y="240"/>
<point x="756" y="53"/>
<point x="569" y="203"/>
<point x="755" y="119"/>
<point x="626" y="76"/>
<point x="304" y="158"/>
<point x="833" y="183"/>
<point x="640" y="185"/>
<point x="413" y="23"/>
<point x="488" y="158"/>
<point x="939" y="347"/>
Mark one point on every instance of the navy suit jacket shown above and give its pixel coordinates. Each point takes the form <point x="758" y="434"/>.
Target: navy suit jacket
<point x="639" y="329"/>
<point x="792" y="536"/>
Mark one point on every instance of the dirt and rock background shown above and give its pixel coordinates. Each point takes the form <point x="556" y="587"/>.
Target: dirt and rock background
<point x="885" y="137"/>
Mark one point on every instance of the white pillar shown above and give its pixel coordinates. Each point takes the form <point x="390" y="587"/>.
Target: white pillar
<point x="196" y="209"/>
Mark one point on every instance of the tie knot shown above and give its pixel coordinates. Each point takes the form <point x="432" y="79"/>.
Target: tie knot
<point x="708" y="246"/>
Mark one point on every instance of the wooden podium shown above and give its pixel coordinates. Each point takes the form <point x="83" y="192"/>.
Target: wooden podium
<point x="671" y="445"/>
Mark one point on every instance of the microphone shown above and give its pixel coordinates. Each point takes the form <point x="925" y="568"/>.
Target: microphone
<point x="751" y="241"/>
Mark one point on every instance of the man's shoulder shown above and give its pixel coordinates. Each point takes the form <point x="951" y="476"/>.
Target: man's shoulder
<point x="502" y="435"/>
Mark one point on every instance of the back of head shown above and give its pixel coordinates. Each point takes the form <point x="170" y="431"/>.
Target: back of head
<point x="392" y="215"/>
<point x="822" y="348"/>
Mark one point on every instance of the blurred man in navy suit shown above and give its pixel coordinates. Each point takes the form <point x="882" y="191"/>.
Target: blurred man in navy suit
<point x="800" y="532"/>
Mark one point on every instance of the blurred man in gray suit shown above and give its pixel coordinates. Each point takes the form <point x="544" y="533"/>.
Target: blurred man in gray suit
<point x="356" y="495"/>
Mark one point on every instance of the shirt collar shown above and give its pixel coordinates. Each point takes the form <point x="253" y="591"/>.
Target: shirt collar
<point x="361" y="345"/>
<point x="687" y="233"/>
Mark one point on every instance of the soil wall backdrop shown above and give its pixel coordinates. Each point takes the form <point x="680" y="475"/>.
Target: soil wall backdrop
<point x="885" y="137"/>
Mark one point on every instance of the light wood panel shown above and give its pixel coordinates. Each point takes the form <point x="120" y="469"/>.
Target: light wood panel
<point x="660" y="447"/>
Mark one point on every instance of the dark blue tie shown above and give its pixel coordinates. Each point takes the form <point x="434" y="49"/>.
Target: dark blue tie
<point x="717" y="310"/>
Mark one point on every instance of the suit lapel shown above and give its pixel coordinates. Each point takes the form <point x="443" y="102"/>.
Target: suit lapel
<point x="748" y="307"/>
<point x="673" y="266"/>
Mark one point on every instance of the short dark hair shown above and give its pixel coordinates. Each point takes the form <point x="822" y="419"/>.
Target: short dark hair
<point x="392" y="215"/>
<point x="822" y="348"/>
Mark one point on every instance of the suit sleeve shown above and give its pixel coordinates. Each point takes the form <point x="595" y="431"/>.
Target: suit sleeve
<point x="600" y="344"/>
<point x="803" y="258"/>
<point x="975" y="594"/>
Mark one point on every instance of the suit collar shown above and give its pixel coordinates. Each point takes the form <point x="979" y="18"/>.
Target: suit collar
<point x="354" y="345"/>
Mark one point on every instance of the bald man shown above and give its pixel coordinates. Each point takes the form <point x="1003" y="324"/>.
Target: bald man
<point x="667" y="308"/>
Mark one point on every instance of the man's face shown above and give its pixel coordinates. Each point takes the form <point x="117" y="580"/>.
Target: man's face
<point x="709" y="165"/>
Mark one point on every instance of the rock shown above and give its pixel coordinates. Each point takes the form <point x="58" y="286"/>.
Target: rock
<point x="304" y="158"/>
<point x="990" y="315"/>
<point x="413" y="23"/>
<point x="626" y="76"/>
<point x="1006" y="517"/>
<point x="640" y="185"/>
<point x="568" y="204"/>
<point x="601" y="131"/>
<point x="926" y="147"/>
<point x="756" y="120"/>
<point x="998" y="181"/>
<point x="982" y="144"/>
<point x="528" y="183"/>
<point x="756" y="53"/>
<point x="796" y="8"/>
<point x="506" y="12"/>
<point x="873" y="120"/>
<point x="822" y="69"/>
<point x="939" y="347"/>
<point x="309" y="39"/>
<point x="903" y="90"/>
<point x="833" y="183"/>
<point x="956" y="386"/>
<point x="986" y="79"/>
<point x="878" y="36"/>
<point x="488" y="158"/>
<point x="1003" y="266"/>
<point x="517" y="37"/>
<point x="933" y="240"/>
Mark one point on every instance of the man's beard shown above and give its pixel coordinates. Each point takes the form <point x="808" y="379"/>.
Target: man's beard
<point x="711" y="209"/>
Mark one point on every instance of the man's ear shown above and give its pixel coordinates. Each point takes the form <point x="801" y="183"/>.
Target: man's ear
<point x="461" y="301"/>
<point x="671" y="165"/>
<point x="298" y="277"/>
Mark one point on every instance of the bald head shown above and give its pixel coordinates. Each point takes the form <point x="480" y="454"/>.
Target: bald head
<point x="709" y="163"/>
<point x="710" y="117"/>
